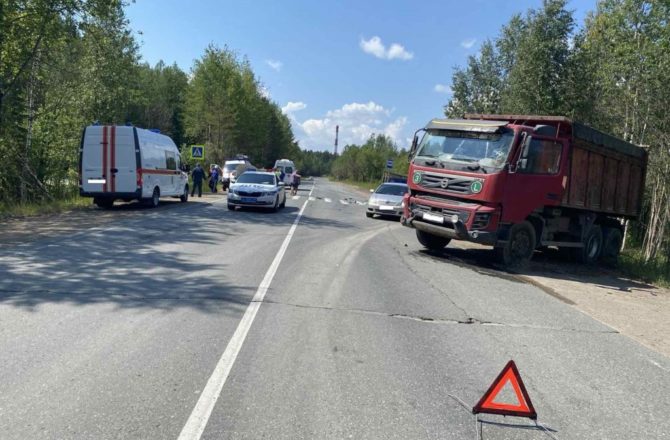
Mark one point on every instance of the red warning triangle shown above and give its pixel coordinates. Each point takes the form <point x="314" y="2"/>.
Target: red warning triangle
<point x="489" y="403"/>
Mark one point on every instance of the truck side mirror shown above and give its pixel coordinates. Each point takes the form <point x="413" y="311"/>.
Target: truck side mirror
<point x="412" y="149"/>
<point x="522" y="163"/>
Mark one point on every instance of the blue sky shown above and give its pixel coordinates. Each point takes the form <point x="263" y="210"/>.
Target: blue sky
<point x="367" y="66"/>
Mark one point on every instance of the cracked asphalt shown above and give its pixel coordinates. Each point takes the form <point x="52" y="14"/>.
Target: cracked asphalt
<point x="362" y="334"/>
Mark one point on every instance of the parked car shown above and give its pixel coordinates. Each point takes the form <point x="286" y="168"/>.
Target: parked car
<point x="386" y="200"/>
<point x="257" y="189"/>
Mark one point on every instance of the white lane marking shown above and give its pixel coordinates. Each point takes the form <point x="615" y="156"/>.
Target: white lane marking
<point x="312" y="190"/>
<point x="312" y="198"/>
<point x="197" y="421"/>
<point x="344" y="202"/>
<point x="658" y="365"/>
<point x="327" y="200"/>
<point x="295" y="197"/>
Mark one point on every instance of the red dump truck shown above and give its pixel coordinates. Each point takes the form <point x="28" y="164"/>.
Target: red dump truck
<point x="519" y="183"/>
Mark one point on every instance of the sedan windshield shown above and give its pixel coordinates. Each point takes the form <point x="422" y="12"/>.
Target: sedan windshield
<point x="260" y="179"/>
<point x="478" y="149"/>
<point x="392" y="190"/>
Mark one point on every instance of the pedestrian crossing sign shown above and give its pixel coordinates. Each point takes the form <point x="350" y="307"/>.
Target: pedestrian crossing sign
<point x="197" y="151"/>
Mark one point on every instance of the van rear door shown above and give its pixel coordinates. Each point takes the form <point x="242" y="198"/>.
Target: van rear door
<point x="124" y="160"/>
<point x="109" y="160"/>
<point x="93" y="177"/>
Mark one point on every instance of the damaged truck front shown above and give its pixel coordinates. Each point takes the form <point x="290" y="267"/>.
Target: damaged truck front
<point x="518" y="183"/>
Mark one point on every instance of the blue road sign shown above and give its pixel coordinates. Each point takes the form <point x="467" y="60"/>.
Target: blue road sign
<point x="389" y="163"/>
<point x="198" y="151"/>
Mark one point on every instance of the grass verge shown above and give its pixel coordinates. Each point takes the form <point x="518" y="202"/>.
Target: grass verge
<point x="656" y="272"/>
<point x="41" y="208"/>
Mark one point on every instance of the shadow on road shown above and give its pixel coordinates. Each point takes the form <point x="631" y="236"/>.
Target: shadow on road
<point x="133" y="263"/>
<point x="549" y="263"/>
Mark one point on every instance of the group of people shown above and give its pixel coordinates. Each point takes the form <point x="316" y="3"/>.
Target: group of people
<point x="199" y="175"/>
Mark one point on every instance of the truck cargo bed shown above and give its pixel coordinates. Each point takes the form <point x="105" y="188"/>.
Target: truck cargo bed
<point x="606" y="173"/>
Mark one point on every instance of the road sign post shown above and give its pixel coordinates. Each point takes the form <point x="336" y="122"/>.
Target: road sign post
<point x="389" y="164"/>
<point x="197" y="152"/>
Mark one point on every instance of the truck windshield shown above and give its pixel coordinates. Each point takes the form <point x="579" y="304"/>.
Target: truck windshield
<point x="468" y="149"/>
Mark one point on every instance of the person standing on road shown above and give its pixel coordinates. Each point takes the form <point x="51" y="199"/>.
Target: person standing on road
<point x="198" y="175"/>
<point x="214" y="179"/>
<point x="295" y="182"/>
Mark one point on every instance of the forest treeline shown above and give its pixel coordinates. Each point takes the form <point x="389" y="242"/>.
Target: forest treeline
<point x="65" y="64"/>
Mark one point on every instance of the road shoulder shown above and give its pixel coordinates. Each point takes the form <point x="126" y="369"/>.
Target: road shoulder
<point x="633" y="308"/>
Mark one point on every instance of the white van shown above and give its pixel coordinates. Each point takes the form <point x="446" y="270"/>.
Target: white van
<point x="287" y="166"/>
<point x="234" y="168"/>
<point x="128" y="163"/>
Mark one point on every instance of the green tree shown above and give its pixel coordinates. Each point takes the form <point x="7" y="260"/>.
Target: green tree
<point x="477" y="88"/>
<point x="536" y="73"/>
<point x="628" y="42"/>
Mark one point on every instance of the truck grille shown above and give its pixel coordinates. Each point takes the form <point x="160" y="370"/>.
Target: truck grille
<point x="443" y="198"/>
<point x="447" y="182"/>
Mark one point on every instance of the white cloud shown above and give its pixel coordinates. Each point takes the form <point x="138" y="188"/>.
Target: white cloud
<point x="399" y="52"/>
<point x="374" y="46"/>
<point x="357" y="122"/>
<point x="292" y="107"/>
<point x="441" y="88"/>
<point x="468" y="43"/>
<point x="275" y="64"/>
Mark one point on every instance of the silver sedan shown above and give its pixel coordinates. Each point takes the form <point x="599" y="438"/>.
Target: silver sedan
<point x="386" y="200"/>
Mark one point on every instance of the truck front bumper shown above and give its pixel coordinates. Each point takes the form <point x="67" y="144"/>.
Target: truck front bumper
<point x="450" y="226"/>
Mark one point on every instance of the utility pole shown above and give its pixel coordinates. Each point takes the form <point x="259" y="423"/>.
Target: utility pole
<point x="337" y="134"/>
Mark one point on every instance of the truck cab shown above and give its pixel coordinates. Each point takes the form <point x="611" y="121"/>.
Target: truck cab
<point x="515" y="182"/>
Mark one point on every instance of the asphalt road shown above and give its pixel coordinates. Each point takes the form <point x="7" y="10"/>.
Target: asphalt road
<point x="115" y="331"/>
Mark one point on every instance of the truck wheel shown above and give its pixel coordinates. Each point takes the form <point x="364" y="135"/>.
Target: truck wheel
<point x="613" y="238"/>
<point x="184" y="196"/>
<point x="103" y="203"/>
<point x="432" y="242"/>
<point x="593" y="246"/>
<point x="518" y="250"/>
